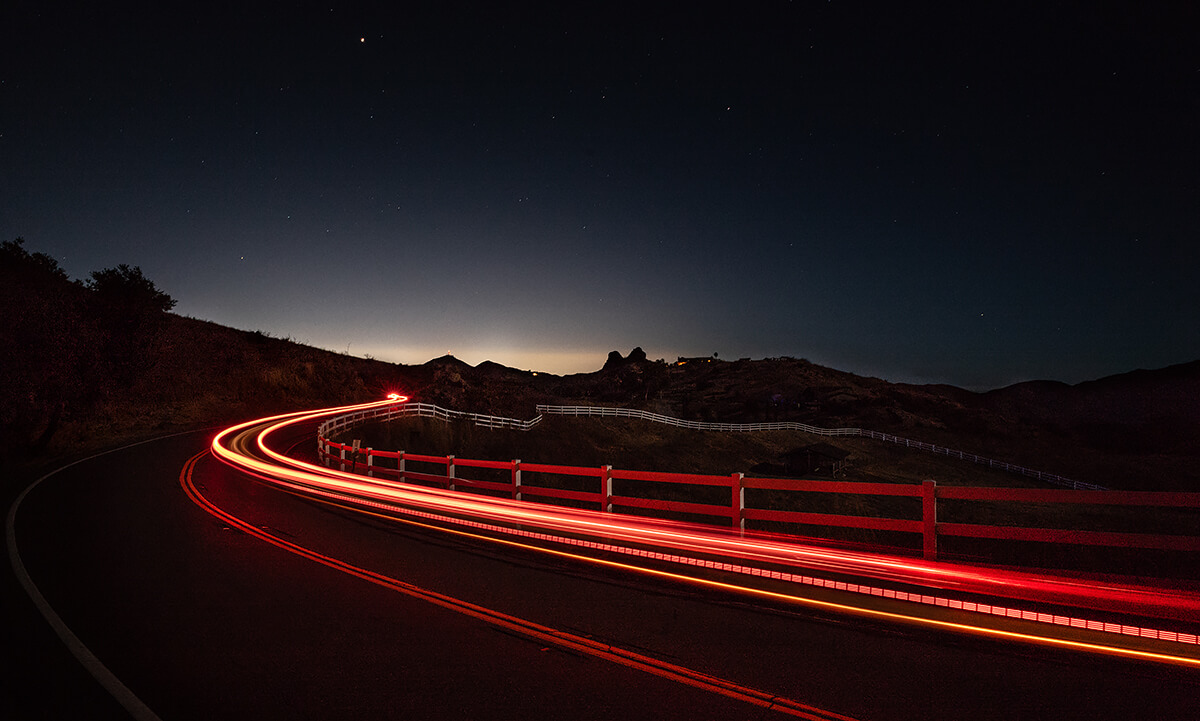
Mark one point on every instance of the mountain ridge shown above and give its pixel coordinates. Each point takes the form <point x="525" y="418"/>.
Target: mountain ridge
<point x="1129" y="430"/>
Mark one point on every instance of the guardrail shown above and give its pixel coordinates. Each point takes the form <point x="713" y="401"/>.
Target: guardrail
<point x="423" y="410"/>
<point x="693" y="425"/>
<point x="815" y="430"/>
<point x="607" y="488"/>
<point x="432" y="411"/>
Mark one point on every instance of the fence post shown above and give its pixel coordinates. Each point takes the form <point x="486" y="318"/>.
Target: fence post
<point x="516" y="479"/>
<point x="929" y="519"/>
<point x="343" y="464"/>
<point x="400" y="467"/>
<point x="606" y="489"/>
<point x="450" y="472"/>
<point x="739" y="501"/>
<point x="370" y="463"/>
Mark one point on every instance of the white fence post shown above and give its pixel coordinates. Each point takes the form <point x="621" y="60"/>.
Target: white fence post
<point x="516" y="479"/>
<point x="400" y="467"/>
<point x="370" y="463"/>
<point x="606" y="489"/>
<point x="450" y="472"/>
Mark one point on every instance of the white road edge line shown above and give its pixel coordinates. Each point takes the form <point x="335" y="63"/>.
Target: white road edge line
<point x="118" y="690"/>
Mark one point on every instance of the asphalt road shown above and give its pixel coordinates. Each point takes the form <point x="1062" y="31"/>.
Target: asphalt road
<point x="200" y="620"/>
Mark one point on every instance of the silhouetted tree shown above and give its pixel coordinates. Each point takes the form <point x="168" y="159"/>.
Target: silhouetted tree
<point x="130" y="310"/>
<point x="127" y="289"/>
<point x="48" y="341"/>
<point x="68" y="344"/>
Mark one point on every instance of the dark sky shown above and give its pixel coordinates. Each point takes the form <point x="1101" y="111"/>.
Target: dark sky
<point x="922" y="193"/>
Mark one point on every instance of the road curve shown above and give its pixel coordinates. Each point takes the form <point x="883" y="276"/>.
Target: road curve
<point x="963" y="587"/>
<point x="201" y="617"/>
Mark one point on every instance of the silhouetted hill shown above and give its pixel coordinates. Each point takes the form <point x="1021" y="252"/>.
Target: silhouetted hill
<point x="447" y="361"/>
<point x="1171" y="394"/>
<point x="94" y="363"/>
<point x="1135" y="430"/>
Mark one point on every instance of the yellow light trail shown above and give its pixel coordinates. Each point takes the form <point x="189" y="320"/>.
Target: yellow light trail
<point x="558" y="637"/>
<point x="349" y="490"/>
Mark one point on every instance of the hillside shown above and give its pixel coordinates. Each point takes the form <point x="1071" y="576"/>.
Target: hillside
<point x="95" y="364"/>
<point x="1136" y="430"/>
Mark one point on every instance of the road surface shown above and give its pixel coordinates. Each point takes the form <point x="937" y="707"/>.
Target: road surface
<point x="197" y="618"/>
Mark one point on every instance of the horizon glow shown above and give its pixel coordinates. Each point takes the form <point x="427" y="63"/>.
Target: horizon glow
<point x="869" y="203"/>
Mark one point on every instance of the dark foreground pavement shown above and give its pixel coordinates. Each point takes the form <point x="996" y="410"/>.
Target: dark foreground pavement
<point x="203" y="621"/>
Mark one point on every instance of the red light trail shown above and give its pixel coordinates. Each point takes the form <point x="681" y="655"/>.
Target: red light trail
<point x="246" y="446"/>
<point x="566" y="639"/>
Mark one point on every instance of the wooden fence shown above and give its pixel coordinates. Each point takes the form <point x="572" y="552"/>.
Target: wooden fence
<point x="594" y="487"/>
<point x="815" y="430"/>
<point x="431" y="411"/>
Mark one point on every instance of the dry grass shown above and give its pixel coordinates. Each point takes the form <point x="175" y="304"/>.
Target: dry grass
<point x="1137" y="431"/>
<point x="642" y="445"/>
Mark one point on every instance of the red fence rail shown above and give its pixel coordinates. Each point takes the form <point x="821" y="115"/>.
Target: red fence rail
<point x="521" y="482"/>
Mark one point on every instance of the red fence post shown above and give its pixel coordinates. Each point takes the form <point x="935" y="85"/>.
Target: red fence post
<point x="929" y="519"/>
<point x="739" y="501"/>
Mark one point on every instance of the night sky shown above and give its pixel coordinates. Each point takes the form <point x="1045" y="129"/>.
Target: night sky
<point x="924" y="194"/>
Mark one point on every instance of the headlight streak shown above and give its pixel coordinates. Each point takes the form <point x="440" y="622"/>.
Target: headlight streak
<point x="394" y="497"/>
<point x="637" y="529"/>
<point x="356" y="506"/>
<point x="565" y="639"/>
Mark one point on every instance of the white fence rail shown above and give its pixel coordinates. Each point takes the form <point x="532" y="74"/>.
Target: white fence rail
<point x="426" y="410"/>
<point x="422" y="410"/>
<point x="792" y="426"/>
<point x="694" y="425"/>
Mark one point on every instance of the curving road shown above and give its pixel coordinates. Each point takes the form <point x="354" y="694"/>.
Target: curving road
<point x="206" y="593"/>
